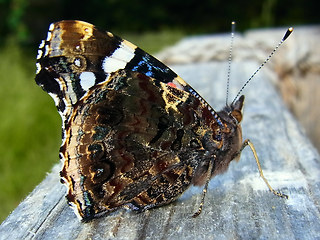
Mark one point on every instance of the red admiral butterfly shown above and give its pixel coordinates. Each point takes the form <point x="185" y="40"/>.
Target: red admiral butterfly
<point x="134" y="133"/>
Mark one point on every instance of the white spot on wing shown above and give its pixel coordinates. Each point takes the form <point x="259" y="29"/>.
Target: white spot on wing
<point x="87" y="80"/>
<point x="77" y="62"/>
<point x="55" y="98"/>
<point x="38" y="68"/>
<point x="49" y="36"/>
<point x="39" y="54"/>
<point x="178" y="85"/>
<point x="119" y="59"/>
<point x="51" y="27"/>
<point x="47" y="50"/>
<point x="42" y="44"/>
<point x="69" y="91"/>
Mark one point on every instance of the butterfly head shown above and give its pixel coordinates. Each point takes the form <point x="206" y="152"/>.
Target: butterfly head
<point x="236" y="109"/>
<point x="233" y="113"/>
<point x="226" y="136"/>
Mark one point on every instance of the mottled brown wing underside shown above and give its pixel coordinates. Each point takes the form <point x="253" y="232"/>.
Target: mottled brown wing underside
<point x="131" y="144"/>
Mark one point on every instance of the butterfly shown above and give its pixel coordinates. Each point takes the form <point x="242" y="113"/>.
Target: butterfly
<point x="134" y="134"/>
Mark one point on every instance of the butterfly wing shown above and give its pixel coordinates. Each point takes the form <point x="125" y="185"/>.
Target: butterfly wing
<point x="91" y="56"/>
<point x="133" y="131"/>
<point x="129" y="148"/>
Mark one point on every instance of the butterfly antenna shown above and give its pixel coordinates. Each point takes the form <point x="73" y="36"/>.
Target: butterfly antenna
<point x="287" y="34"/>
<point x="233" y="26"/>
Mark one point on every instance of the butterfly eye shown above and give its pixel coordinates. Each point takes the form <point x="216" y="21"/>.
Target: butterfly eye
<point x="237" y="115"/>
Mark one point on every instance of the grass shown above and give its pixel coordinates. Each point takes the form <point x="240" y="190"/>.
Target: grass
<point x="29" y="130"/>
<point x="30" y="127"/>
<point x="153" y="42"/>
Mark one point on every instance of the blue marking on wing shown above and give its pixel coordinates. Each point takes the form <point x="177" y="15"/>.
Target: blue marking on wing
<point x="150" y="66"/>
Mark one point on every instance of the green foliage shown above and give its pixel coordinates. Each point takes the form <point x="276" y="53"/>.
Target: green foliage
<point x="12" y="14"/>
<point x="29" y="129"/>
<point x="153" y="42"/>
<point x="28" y="20"/>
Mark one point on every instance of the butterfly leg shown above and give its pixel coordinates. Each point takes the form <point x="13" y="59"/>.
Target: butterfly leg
<point x="208" y="177"/>
<point x="247" y="142"/>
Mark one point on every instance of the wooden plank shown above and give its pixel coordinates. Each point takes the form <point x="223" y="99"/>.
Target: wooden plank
<point x="238" y="204"/>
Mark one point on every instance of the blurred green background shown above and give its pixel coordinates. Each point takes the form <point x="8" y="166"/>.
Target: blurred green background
<point x="30" y="125"/>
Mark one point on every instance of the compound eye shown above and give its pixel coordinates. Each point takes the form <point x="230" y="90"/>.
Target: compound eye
<point x="237" y="115"/>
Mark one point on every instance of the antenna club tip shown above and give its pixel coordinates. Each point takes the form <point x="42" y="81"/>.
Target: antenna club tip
<point x="289" y="31"/>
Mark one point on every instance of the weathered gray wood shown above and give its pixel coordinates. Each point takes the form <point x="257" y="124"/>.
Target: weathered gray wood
<point x="238" y="204"/>
<point x="297" y="62"/>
